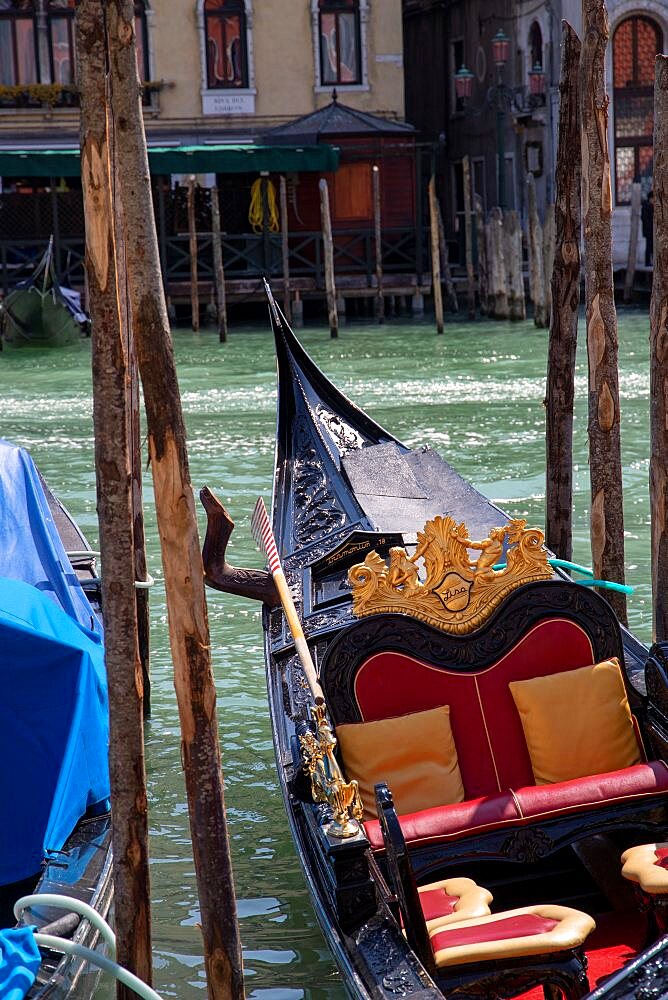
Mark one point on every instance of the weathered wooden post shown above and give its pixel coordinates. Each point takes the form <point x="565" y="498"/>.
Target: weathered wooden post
<point x="658" y="469"/>
<point x="435" y="255"/>
<point x="536" y="266"/>
<point x="468" y="236"/>
<point x="489" y="257"/>
<point x="500" y="309"/>
<point x="114" y="500"/>
<point x="378" y="243"/>
<point x="177" y="522"/>
<point x="285" y="248"/>
<point x="565" y="303"/>
<point x="218" y="268"/>
<point x="483" y="265"/>
<point x="330" y="283"/>
<point x="549" y="236"/>
<point x="607" y="514"/>
<point x="636" y="199"/>
<point x="445" y="263"/>
<point x="192" y="242"/>
<point x="513" y="249"/>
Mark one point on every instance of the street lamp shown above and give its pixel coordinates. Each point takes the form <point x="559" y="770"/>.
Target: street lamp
<point x="499" y="97"/>
<point x="537" y="81"/>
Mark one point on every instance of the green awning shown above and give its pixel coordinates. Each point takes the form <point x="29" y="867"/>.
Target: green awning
<point x="222" y="159"/>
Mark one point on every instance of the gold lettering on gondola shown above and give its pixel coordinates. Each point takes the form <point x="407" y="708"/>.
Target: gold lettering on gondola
<point x="457" y="594"/>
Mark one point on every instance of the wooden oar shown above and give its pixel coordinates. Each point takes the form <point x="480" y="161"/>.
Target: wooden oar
<point x="264" y="536"/>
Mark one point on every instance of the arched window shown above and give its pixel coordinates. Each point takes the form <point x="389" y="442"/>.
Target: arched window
<point x="226" y="52"/>
<point x="535" y="46"/>
<point x="635" y="44"/>
<point x="340" y="49"/>
<point x="18" y="43"/>
<point x="61" y="40"/>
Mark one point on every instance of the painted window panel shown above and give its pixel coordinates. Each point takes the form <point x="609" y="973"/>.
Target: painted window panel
<point x="18" y="60"/>
<point x="225" y="27"/>
<point x="340" y="55"/>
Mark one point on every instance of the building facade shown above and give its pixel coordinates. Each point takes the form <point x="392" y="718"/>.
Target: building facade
<point x="441" y="34"/>
<point x="212" y="68"/>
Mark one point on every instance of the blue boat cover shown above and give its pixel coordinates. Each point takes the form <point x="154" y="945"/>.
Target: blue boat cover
<point x="30" y="546"/>
<point x="53" y="696"/>
<point x="19" y="962"/>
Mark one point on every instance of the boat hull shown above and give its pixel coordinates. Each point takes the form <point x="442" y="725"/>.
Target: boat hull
<point x="30" y="318"/>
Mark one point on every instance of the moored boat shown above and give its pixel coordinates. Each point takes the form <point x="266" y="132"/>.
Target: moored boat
<point x="491" y="746"/>
<point x="40" y="312"/>
<point x="55" y="825"/>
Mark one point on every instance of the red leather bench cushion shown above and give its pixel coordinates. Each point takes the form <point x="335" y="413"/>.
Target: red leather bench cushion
<point x="486" y="725"/>
<point x="514" y="808"/>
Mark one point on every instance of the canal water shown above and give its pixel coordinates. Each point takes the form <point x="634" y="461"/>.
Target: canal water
<point x="476" y="394"/>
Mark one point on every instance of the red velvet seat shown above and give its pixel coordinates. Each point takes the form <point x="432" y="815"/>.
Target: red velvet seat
<point x="524" y="805"/>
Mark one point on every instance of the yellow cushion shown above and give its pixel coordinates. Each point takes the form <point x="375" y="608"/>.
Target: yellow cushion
<point x="415" y="754"/>
<point x="577" y="722"/>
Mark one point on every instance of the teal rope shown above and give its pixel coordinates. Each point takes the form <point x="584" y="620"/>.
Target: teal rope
<point x="620" y="588"/>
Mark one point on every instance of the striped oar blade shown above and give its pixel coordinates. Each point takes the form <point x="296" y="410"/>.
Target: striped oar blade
<point x="264" y="536"/>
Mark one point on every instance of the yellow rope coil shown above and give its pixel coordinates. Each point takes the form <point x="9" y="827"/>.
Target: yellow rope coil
<point x="255" y="213"/>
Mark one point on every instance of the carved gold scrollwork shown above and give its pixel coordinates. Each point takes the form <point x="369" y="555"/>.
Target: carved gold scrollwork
<point x="327" y="782"/>
<point x="458" y="594"/>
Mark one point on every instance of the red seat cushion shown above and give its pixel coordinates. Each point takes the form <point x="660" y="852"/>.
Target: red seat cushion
<point x="641" y="780"/>
<point x="474" y="815"/>
<point x="522" y="925"/>
<point x="529" y="803"/>
<point x="437" y="903"/>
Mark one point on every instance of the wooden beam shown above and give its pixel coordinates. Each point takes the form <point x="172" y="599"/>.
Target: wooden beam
<point x="536" y="265"/>
<point x="658" y="470"/>
<point x="605" y="462"/>
<point x="285" y="249"/>
<point x="565" y="284"/>
<point x="177" y="523"/>
<point x="192" y="234"/>
<point x="468" y="237"/>
<point x="330" y="282"/>
<point x="378" y="245"/>
<point x="435" y="255"/>
<point x="636" y="199"/>
<point x="513" y="248"/>
<point x="218" y="267"/>
<point x="132" y="912"/>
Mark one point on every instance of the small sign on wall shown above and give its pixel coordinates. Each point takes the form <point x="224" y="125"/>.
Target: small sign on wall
<point x="228" y="103"/>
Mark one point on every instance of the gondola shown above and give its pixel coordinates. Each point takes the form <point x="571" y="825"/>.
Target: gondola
<point x="55" y="834"/>
<point x="40" y="312"/>
<point x="490" y="745"/>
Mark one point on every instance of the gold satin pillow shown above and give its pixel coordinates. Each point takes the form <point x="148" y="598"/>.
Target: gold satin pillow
<point x="415" y="754"/>
<point x="577" y="722"/>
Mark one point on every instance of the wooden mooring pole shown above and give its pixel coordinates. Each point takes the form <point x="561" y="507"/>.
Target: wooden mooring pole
<point x="218" y="267"/>
<point x="446" y="273"/>
<point x="549" y="237"/>
<point x="636" y="199"/>
<point x="658" y="469"/>
<point x="513" y="248"/>
<point x="378" y="245"/>
<point x="177" y="522"/>
<point x="285" y="248"/>
<point x="330" y="283"/>
<point x="605" y="465"/>
<point x="132" y="913"/>
<point x="565" y="304"/>
<point x="192" y="234"/>
<point x="536" y="265"/>
<point x="498" y="305"/>
<point x="483" y="272"/>
<point x="468" y="237"/>
<point x="435" y="255"/>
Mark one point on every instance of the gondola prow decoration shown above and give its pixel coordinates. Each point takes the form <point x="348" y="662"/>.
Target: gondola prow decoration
<point x="328" y="784"/>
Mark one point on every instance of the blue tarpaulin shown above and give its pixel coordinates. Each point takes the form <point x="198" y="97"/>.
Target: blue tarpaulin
<point x="53" y="696"/>
<point x="30" y="546"/>
<point x="19" y="962"/>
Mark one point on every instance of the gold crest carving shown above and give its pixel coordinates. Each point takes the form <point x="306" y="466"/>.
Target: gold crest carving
<point x="458" y="594"/>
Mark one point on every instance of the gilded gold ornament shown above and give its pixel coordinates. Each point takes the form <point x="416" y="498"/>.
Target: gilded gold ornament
<point x="457" y="594"/>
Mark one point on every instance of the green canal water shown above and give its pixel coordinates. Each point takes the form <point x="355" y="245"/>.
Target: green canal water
<point x="476" y="394"/>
